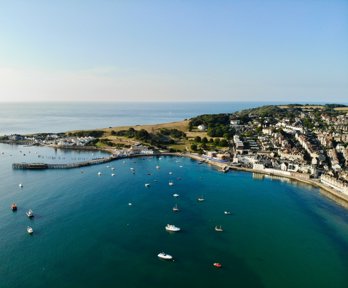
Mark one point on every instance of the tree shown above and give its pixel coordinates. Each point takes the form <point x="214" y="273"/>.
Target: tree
<point x="204" y="140"/>
<point x="198" y="139"/>
<point x="223" y="143"/>
<point x="194" y="147"/>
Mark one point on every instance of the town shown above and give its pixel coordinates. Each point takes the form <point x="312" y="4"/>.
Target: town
<point x="299" y="141"/>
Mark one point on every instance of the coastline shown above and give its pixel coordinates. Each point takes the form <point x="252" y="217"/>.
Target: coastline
<point x="327" y="191"/>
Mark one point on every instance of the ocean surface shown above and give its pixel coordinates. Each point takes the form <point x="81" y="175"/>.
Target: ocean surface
<point x="86" y="235"/>
<point x="25" y="118"/>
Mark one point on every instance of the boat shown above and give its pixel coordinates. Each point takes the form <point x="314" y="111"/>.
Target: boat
<point x="172" y="228"/>
<point x="175" y="208"/>
<point x="175" y="195"/>
<point x="99" y="173"/>
<point x="227" y="212"/>
<point x="14" y="207"/>
<point x="147" y="184"/>
<point x="112" y="168"/>
<point x="30" y="230"/>
<point x="218" y="228"/>
<point x="130" y="204"/>
<point x="157" y="167"/>
<point x="171" y="183"/>
<point x="170" y="173"/>
<point x="200" y="199"/>
<point x="165" y="256"/>
<point x="112" y="174"/>
<point x="217" y="265"/>
<point x="30" y="213"/>
<point x="20" y="185"/>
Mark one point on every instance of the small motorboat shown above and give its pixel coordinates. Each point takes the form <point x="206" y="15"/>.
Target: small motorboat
<point x="171" y="183"/>
<point x="227" y="212"/>
<point x="112" y="174"/>
<point x="175" y="195"/>
<point x="165" y="256"/>
<point x="20" y="185"/>
<point x="99" y="173"/>
<point x="14" y="207"/>
<point x="200" y="199"/>
<point x="157" y="167"/>
<point x="217" y="265"/>
<point x="30" y="230"/>
<point x="175" y="208"/>
<point x="130" y="204"/>
<point x="218" y="228"/>
<point x="172" y="228"/>
<point x="147" y="184"/>
<point x="30" y="213"/>
<point x="170" y="173"/>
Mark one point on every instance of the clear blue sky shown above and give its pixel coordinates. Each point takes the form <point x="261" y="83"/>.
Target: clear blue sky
<point x="174" y="50"/>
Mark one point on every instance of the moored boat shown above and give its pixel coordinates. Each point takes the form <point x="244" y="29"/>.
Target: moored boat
<point x="227" y="212"/>
<point x="175" y="208"/>
<point x="147" y="184"/>
<point x="30" y="230"/>
<point x="172" y="228"/>
<point x="171" y="183"/>
<point x="218" y="228"/>
<point x="175" y="195"/>
<point x="14" y="207"/>
<point x="30" y="213"/>
<point x="217" y="265"/>
<point x="200" y="199"/>
<point x="165" y="256"/>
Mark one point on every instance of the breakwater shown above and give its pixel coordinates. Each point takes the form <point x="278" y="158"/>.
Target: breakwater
<point x="42" y="166"/>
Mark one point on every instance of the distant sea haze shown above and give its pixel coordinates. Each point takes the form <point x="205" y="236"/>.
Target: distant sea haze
<point x="26" y="118"/>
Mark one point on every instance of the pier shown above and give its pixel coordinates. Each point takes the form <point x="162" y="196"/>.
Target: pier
<point x="42" y="166"/>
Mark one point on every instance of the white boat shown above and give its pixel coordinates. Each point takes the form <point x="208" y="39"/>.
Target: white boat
<point x="175" y="195"/>
<point x="165" y="256"/>
<point x="200" y="199"/>
<point x="171" y="183"/>
<point x="218" y="228"/>
<point x="130" y="204"/>
<point x="157" y="167"/>
<point x="30" y="213"/>
<point x="147" y="184"/>
<point x="112" y="174"/>
<point x="172" y="228"/>
<point x="30" y="230"/>
<point x="112" y="168"/>
<point x="20" y="185"/>
<point x="99" y="173"/>
<point x="175" y="208"/>
<point x="227" y="212"/>
<point x="170" y="173"/>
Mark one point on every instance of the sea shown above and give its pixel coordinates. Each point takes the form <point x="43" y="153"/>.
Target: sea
<point x="93" y="229"/>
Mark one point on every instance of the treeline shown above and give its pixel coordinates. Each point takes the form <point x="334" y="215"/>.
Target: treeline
<point x="162" y="137"/>
<point x="87" y="133"/>
<point x="218" y="125"/>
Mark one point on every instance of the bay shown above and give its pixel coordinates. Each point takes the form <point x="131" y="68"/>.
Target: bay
<point x="280" y="234"/>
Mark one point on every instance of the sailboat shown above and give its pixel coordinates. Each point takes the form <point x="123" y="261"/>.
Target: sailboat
<point x="175" y="208"/>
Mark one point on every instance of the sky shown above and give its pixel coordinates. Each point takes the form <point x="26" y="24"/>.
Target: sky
<point x="103" y="50"/>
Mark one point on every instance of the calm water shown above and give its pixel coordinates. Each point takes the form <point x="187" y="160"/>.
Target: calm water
<point x="60" y="117"/>
<point x="86" y="235"/>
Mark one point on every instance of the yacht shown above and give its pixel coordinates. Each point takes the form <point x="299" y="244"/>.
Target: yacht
<point x="165" y="256"/>
<point x="112" y="168"/>
<point x="30" y="230"/>
<point x="30" y="213"/>
<point x="170" y="173"/>
<point x="172" y="228"/>
<point x="175" y="208"/>
<point x="99" y="173"/>
<point x="157" y="167"/>
<point x="147" y="184"/>
<point x="14" y="207"/>
<point x="227" y="212"/>
<point x="20" y="185"/>
<point x="200" y="199"/>
<point x="112" y="174"/>
<point x="218" y="228"/>
<point x="171" y="183"/>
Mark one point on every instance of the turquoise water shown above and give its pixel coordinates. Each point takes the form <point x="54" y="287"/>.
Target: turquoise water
<point x="86" y="234"/>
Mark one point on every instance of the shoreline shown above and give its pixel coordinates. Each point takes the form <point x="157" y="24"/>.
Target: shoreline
<point x="327" y="191"/>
